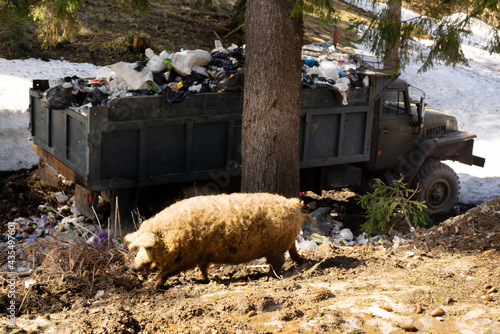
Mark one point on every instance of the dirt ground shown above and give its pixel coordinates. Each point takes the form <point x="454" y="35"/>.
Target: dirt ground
<point x="440" y="280"/>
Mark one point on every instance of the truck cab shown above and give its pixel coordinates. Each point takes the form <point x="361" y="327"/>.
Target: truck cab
<point x="411" y="139"/>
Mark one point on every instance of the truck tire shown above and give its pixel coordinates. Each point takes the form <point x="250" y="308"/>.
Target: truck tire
<point x="438" y="186"/>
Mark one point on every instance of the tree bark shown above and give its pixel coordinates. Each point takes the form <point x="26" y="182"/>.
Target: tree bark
<point x="271" y="108"/>
<point x="391" y="62"/>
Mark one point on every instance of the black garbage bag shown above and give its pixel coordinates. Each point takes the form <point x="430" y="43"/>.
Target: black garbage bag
<point x="95" y="97"/>
<point x="173" y="97"/>
<point x="61" y="98"/>
<point x="193" y="79"/>
<point x="354" y="78"/>
<point x="238" y="55"/>
<point x="228" y="81"/>
<point x="159" y="77"/>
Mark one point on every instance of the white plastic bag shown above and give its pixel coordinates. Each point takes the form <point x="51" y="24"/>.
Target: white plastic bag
<point x="342" y="87"/>
<point x="184" y="61"/>
<point x="105" y="73"/>
<point x="136" y="80"/>
<point x="330" y="69"/>
<point x="155" y="63"/>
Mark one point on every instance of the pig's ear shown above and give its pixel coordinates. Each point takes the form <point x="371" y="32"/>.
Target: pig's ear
<point x="145" y="239"/>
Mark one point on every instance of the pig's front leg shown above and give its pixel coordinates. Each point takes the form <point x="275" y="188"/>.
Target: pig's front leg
<point x="165" y="273"/>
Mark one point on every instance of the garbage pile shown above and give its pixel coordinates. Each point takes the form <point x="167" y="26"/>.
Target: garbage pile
<point x="60" y="223"/>
<point x="328" y="230"/>
<point x="187" y="72"/>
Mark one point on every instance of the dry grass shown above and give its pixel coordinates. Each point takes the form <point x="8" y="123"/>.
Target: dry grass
<point x="69" y="274"/>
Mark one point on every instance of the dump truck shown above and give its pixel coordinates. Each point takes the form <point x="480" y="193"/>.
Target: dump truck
<point x="119" y="153"/>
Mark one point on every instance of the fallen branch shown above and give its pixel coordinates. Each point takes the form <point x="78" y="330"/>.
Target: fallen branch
<point x="21" y="274"/>
<point x="234" y="30"/>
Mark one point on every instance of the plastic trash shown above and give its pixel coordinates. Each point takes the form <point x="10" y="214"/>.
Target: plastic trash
<point x="218" y="46"/>
<point x="136" y="80"/>
<point x="363" y="238"/>
<point x="366" y="81"/>
<point x="60" y="97"/>
<point x="308" y="244"/>
<point x="156" y="62"/>
<point x="54" y="82"/>
<point x="96" y="96"/>
<point x="329" y="69"/>
<point x="317" y="238"/>
<point x="323" y="225"/>
<point x="343" y="80"/>
<point x="99" y="294"/>
<point x="105" y="73"/>
<point x="397" y="241"/>
<point x="346" y="234"/>
<point x="61" y="197"/>
<point x="342" y="88"/>
<point x="29" y="282"/>
<point x="69" y="236"/>
<point x="311" y="62"/>
<point x="226" y="82"/>
<point x="354" y="78"/>
<point x="184" y="61"/>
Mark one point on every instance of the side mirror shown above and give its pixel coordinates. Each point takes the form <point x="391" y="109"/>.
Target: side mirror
<point x="420" y="113"/>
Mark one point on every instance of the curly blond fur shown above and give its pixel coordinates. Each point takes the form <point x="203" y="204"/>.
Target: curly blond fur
<point x="230" y="229"/>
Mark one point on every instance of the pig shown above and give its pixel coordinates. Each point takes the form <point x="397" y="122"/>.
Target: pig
<point x="218" y="229"/>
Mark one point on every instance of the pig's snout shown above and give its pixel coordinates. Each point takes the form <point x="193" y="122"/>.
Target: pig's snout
<point x="142" y="262"/>
<point x="135" y="267"/>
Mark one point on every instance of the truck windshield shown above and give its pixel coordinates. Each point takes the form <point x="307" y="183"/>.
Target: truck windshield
<point x="394" y="103"/>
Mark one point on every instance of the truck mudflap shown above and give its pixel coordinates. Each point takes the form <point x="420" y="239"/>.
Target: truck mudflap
<point x="455" y="146"/>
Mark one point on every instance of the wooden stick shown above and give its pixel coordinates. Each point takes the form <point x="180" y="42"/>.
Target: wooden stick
<point x="218" y="36"/>
<point x="234" y="30"/>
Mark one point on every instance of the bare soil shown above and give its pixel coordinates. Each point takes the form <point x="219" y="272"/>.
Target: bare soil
<point x="452" y="268"/>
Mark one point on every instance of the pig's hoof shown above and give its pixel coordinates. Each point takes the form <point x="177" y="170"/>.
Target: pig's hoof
<point x="159" y="285"/>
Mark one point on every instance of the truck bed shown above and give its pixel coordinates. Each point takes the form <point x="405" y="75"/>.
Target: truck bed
<point x="142" y="141"/>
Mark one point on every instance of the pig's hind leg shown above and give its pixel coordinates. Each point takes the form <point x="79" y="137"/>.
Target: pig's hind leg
<point x="295" y="255"/>
<point x="203" y="267"/>
<point x="275" y="263"/>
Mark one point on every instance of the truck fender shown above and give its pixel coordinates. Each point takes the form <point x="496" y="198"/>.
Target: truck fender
<point x="455" y="146"/>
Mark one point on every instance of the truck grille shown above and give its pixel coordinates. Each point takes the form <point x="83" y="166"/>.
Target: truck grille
<point x="436" y="130"/>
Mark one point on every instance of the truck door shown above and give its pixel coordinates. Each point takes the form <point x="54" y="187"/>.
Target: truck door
<point x="395" y="135"/>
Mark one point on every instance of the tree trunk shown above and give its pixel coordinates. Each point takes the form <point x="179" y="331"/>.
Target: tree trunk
<point x="391" y="62"/>
<point x="271" y="108"/>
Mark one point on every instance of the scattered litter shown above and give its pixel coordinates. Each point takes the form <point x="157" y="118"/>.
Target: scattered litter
<point x="328" y="230"/>
<point x="29" y="282"/>
<point x="99" y="294"/>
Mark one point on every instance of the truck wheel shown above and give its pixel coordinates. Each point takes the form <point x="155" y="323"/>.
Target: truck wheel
<point x="438" y="186"/>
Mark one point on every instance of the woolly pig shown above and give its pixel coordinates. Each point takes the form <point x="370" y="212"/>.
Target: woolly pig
<point x="230" y="229"/>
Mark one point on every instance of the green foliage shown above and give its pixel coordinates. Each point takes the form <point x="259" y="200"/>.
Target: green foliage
<point x="57" y="20"/>
<point x="445" y="34"/>
<point x="17" y="39"/>
<point x="388" y="207"/>
<point x="321" y="8"/>
<point x="121" y="48"/>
